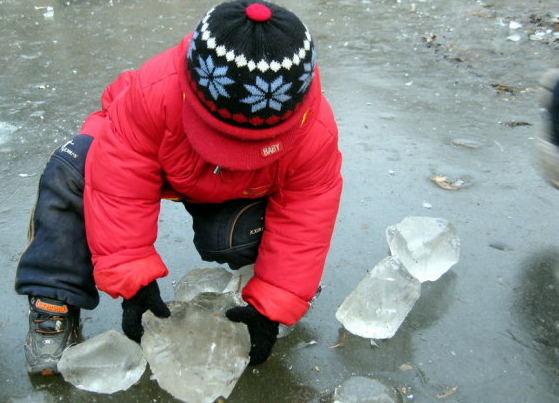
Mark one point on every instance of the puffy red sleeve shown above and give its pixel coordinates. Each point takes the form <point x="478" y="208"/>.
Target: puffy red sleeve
<point x="299" y="223"/>
<point x="123" y="190"/>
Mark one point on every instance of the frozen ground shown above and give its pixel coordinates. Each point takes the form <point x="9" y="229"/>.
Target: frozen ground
<point x="422" y="88"/>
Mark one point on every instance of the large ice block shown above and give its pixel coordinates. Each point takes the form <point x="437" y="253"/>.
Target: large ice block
<point x="379" y="304"/>
<point x="106" y="363"/>
<point x="426" y="246"/>
<point x="196" y="354"/>
<point x="360" y="389"/>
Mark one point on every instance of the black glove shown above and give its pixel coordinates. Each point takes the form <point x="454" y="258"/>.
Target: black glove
<point x="263" y="331"/>
<point x="147" y="297"/>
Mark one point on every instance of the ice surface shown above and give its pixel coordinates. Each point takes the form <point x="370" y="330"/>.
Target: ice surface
<point x="106" y="363"/>
<point x="6" y="129"/>
<point x="197" y="355"/>
<point x="35" y="397"/>
<point x="360" y="389"/>
<point x="426" y="246"/>
<point x="377" y="307"/>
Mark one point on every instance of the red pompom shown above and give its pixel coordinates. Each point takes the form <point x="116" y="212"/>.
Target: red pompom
<point x="258" y="12"/>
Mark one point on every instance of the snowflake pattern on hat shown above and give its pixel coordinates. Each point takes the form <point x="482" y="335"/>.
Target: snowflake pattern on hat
<point x="213" y="77"/>
<point x="192" y="47"/>
<point x="307" y="77"/>
<point x="267" y="95"/>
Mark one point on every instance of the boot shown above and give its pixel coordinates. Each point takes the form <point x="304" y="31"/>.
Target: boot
<point x="53" y="327"/>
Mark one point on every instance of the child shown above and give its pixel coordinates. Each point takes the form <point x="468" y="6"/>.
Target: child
<point x="231" y="122"/>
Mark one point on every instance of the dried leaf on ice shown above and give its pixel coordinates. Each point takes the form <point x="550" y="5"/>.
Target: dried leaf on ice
<point x="444" y="182"/>
<point x="405" y="367"/>
<point x="513" y="123"/>
<point x="340" y="342"/>
<point x="447" y="393"/>
<point x="465" y="143"/>
<point x="504" y="88"/>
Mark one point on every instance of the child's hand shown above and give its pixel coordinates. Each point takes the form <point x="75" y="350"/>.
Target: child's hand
<point x="263" y="331"/>
<point x="147" y="297"/>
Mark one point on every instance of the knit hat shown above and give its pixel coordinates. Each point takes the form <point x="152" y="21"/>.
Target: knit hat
<point x="251" y="63"/>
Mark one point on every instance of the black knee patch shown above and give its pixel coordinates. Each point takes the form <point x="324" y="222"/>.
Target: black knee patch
<point x="228" y="232"/>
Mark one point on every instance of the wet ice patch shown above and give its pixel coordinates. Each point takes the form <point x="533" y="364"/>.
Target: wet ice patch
<point x="360" y="389"/>
<point x="5" y="130"/>
<point x="35" y="397"/>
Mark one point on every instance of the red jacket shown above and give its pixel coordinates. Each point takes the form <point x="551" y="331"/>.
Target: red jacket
<point x="141" y="154"/>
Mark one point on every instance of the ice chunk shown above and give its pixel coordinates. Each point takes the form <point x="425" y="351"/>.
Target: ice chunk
<point x="426" y="246"/>
<point x="215" y="279"/>
<point x="360" y="389"/>
<point x="284" y="331"/>
<point x="197" y="355"/>
<point x="219" y="280"/>
<point x="106" y="363"/>
<point x="240" y="278"/>
<point x="377" y="307"/>
<point x="217" y="302"/>
<point x="197" y="281"/>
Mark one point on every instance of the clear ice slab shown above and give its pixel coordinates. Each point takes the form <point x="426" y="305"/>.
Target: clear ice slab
<point x="426" y="246"/>
<point x="218" y="280"/>
<point x="197" y="281"/>
<point x="107" y="363"/>
<point x="218" y="303"/>
<point x="197" y="354"/>
<point x="215" y="279"/>
<point x="360" y="389"/>
<point x="376" y="308"/>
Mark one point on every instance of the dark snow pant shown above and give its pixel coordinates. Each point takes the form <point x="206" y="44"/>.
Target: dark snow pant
<point x="57" y="262"/>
